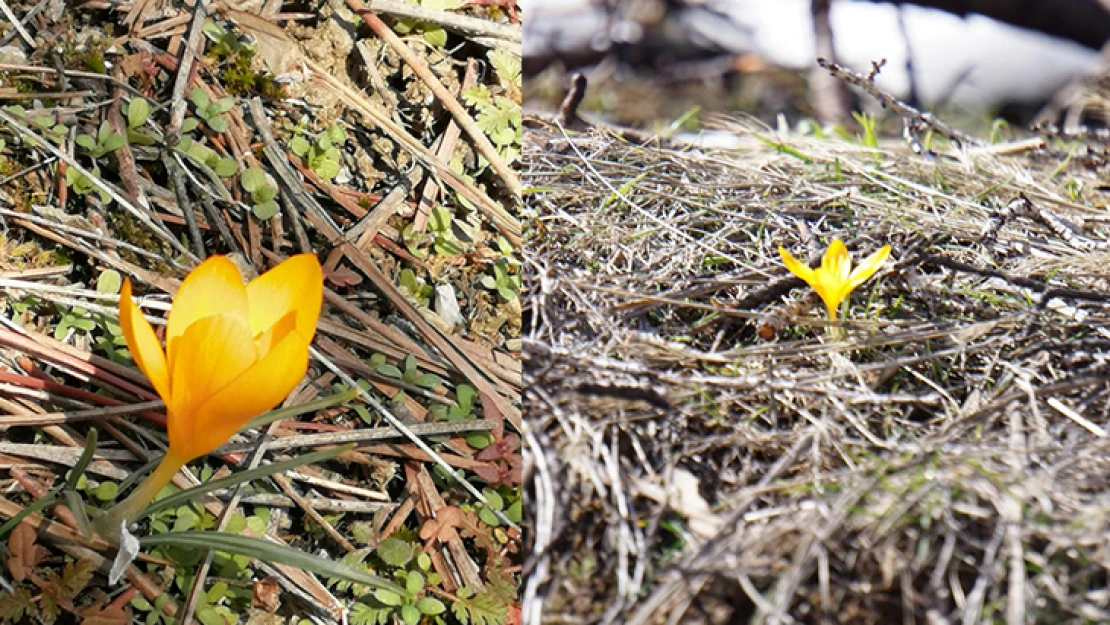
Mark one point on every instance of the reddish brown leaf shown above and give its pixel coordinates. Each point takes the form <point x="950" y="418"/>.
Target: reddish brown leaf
<point x="515" y="615"/>
<point x="104" y="615"/>
<point x="500" y="449"/>
<point x="489" y="472"/>
<point x="490" y="411"/>
<point x="266" y="594"/>
<point x="442" y="527"/>
<point x="342" y="276"/>
<point x="25" y="553"/>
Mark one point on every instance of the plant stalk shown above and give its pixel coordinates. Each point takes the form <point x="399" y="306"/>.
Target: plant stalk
<point x="109" y="525"/>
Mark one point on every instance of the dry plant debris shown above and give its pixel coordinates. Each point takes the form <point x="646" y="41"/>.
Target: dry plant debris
<point x="703" y="451"/>
<point x="138" y="138"/>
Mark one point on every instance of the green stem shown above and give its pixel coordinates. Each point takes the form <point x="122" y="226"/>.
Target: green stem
<point x="832" y="331"/>
<point x="108" y="526"/>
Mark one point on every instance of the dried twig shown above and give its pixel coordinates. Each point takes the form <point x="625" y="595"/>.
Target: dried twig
<point x="896" y="106"/>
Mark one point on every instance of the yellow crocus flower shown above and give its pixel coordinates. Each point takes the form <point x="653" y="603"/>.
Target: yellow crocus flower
<point x="233" y="351"/>
<point x="835" y="279"/>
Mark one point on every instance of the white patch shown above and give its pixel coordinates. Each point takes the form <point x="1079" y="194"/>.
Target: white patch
<point x="447" y="305"/>
<point x="128" y="551"/>
<point x="971" y="62"/>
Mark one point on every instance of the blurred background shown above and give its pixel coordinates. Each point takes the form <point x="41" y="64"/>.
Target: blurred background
<point x="659" y="63"/>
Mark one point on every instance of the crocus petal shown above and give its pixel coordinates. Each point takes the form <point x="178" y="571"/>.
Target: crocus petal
<point x="266" y="341"/>
<point x="146" y="351"/>
<point x="836" y="261"/>
<point x="797" y="267"/>
<point x="829" y="290"/>
<point x="211" y="353"/>
<point x="868" y="267"/>
<point x="213" y="288"/>
<point x="261" y="387"/>
<point x="297" y="284"/>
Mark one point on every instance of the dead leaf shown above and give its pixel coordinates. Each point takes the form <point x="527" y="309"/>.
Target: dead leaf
<point x="25" y="552"/>
<point x="342" y="276"/>
<point x="106" y="615"/>
<point x="278" y="52"/>
<point x="515" y="615"/>
<point x="442" y="527"/>
<point x="266" y="594"/>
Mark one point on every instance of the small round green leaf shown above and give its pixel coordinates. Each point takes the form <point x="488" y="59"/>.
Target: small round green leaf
<point x="209" y="616"/>
<point x="436" y="37"/>
<point x="494" y="498"/>
<point x="394" y="552"/>
<point x="515" y="511"/>
<point x="106" y="491"/>
<point x="109" y="282"/>
<point x="387" y="597"/>
<point x="265" y="193"/>
<point x="225" y="167"/>
<point x="222" y="105"/>
<point x="390" y="371"/>
<point x="253" y="178"/>
<point x="409" y="614"/>
<point x="217" y="124"/>
<point x="299" y="145"/>
<point x="430" y="606"/>
<point x="326" y="169"/>
<point x="199" y="97"/>
<point x="464" y="395"/>
<point x="265" y="210"/>
<point x="199" y="152"/>
<point x="137" y="112"/>
<point x="478" y="440"/>
<point x="113" y="143"/>
<point x="488" y="517"/>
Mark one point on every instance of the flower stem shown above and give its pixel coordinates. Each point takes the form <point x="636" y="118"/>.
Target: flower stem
<point x="108" y="526"/>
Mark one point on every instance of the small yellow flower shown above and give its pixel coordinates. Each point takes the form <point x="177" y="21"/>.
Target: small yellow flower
<point x="835" y="278"/>
<point x="233" y="351"/>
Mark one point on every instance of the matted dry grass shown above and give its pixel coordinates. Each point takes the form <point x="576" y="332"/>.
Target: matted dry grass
<point x="944" y="459"/>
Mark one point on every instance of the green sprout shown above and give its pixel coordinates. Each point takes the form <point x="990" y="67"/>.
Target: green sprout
<point x="82" y="185"/>
<point x="410" y="375"/>
<point x="104" y="143"/>
<point x="416" y="287"/>
<point x="138" y="111"/>
<point x="499" y="117"/>
<point x="44" y="123"/>
<point x="222" y="166"/>
<point x="505" y="281"/>
<point x="211" y="112"/>
<point x="411" y="604"/>
<point x="440" y="234"/>
<point x="321" y="155"/>
<point x="262" y="193"/>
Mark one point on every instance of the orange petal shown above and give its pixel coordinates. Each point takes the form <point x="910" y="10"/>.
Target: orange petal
<point x="213" y="288"/>
<point x="212" y="353"/>
<point x="146" y="351"/>
<point x="266" y="341"/>
<point x="297" y="284"/>
<point x="261" y="387"/>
